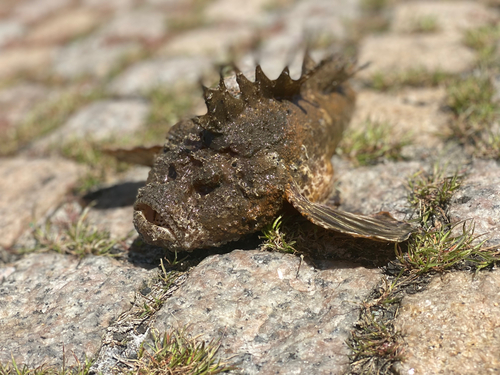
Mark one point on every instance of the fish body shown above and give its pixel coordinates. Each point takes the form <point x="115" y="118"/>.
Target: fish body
<point x="229" y="172"/>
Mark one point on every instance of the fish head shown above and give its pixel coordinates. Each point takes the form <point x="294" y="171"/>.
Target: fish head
<point x="200" y="193"/>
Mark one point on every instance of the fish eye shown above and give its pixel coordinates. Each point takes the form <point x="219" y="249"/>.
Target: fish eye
<point x="172" y="173"/>
<point x="206" y="181"/>
<point x="204" y="189"/>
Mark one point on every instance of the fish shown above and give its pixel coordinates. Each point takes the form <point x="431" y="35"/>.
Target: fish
<point x="259" y="148"/>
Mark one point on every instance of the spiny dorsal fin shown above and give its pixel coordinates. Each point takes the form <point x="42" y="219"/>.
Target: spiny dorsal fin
<point x="223" y="106"/>
<point x="285" y="86"/>
<point x="264" y="84"/>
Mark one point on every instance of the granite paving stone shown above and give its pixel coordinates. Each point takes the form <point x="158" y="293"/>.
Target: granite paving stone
<point x="102" y="120"/>
<point x="111" y="5"/>
<point x="28" y="189"/>
<point x="53" y="302"/>
<point x="63" y="26"/>
<point x="31" y="60"/>
<point x="456" y="16"/>
<point x="368" y="190"/>
<point x="144" y="25"/>
<point x="17" y="101"/>
<point x="30" y="11"/>
<point x="321" y="18"/>
<point x="395" y="53"/>
<point x="478" y="198"/>
<point x="94" y="56"/>
<point x="147" y="75"/>
<point x="453" y="327"/>
<point x="271" y="316"/>
<point x="112" y="205"/>
<point x="236" y="11"/>
<point x="415" y="114"/>
<point x="10" y="29"/>
<point x="217" y="42"/>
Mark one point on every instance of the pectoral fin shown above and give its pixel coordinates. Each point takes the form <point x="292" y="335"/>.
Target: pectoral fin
<point x="138" y="155"/>
<point x="381" y="226"/>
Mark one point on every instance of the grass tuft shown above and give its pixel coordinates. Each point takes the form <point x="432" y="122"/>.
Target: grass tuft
<point x="375" y="343"/>
<point x="440" y="249"/>
<point x="174" y="353"/>
<point x="415" y="77"/>
<point x="484" y="40"/>
<point x="78" y="369"/>
<point x="424" y="24"/>
<point x="476" y="115"/>
<point x="75" y="237"/>
<point x="430" y="194"/>
<point x="473" y="99"/>
<point x="275" y="238"/>
<point x="370" y="145"/>
<point x="441" y="245"/>
<point x="373" y="6"/>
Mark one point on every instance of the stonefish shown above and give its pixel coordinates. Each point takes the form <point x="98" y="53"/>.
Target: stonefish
<point x="230" y="172"/>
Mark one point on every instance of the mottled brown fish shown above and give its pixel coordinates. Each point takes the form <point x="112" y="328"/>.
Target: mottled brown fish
<point x="229" y="172"/>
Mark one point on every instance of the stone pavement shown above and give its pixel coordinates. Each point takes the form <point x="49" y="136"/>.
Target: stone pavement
<point x="77" y="76"/>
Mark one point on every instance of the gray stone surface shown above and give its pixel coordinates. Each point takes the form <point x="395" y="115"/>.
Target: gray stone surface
<point x="271" y="320"/>
<point x="415" y="114"/>
<point x="17" y="101"/>
<point x="112" y="208"/>
<point x="144" y="25"/>
<point x="236" y="11"/>
<point x="102" y="120"/>
<point x="450" y="17"/>
<point x="31" y="11"/>
<point x="53" y="302"/>
<point x="64" y="26"/>
<point x="369" y="190"/>
<point x="162" y="72"/>
<point x="10" y="30"/>
<point x="478" y="198"/>
<point x="94" y="56"/>
<point x="28" y="189"/>
<point x="26" y="60"/>
<point x="453" y="327"/>
<point x="322" y="19"/>
<point x="389" y="54"/>
<point x="111" y="5"/>
<point x="215" y="42"/>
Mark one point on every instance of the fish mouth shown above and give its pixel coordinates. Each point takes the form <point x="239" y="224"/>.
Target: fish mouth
<point x="152" y="226"/>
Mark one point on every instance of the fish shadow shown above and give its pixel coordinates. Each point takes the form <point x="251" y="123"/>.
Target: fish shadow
<point x="119" y="195"/>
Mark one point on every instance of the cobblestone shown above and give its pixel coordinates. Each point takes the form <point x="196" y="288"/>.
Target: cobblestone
<point x="162" y="72"/>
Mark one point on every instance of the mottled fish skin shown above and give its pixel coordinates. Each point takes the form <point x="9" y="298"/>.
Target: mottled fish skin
<point x="225" y="174"/>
